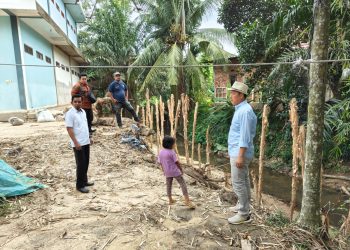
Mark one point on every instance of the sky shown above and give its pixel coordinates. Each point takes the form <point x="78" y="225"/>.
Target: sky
<point x="210" y="21"/>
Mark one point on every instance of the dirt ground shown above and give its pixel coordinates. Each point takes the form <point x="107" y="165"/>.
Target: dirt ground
<point x="125" y="209"/>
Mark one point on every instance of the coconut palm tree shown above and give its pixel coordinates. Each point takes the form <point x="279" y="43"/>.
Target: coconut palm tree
<point x="109" y="37"/>
<point x="176" y="41"/>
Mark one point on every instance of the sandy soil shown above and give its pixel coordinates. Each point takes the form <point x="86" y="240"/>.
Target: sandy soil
<point x="126" y="208"/>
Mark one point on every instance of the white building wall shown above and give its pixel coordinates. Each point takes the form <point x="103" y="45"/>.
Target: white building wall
<point x="18" y="4"/>
<point x="75" y="72"/>
<point x="62" y="74"/>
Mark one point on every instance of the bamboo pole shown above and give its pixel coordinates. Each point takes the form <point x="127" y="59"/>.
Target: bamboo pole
<point x="148" y="108"/>
<point x="185" y="106"/>
<point x="161" y="110"/>
<point x="264" y="125"/>
<point x="295" y="126"/>
<point x="143" y="117"/>
<point x="157" y="125"/>
<point x="199" y="155"/>
<point x="301" y="148"/>
<point x="194" y="130"/>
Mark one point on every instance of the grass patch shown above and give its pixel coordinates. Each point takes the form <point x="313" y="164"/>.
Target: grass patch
<point x="5" y="207"/>
<point x="277" y="219"/>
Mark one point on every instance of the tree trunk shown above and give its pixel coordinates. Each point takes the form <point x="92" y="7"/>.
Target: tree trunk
<point x="310" y="216"/>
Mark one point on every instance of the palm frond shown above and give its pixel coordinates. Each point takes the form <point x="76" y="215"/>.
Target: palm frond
<point x="219" y="36"/>
<point x="148" y="56"/>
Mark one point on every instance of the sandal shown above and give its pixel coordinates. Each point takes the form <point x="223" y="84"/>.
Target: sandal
<point x="190" y="204"/>
<point x="172" y="202"/>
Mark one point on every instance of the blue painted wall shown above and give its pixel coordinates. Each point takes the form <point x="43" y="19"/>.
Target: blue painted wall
<point x="56" y="15"/>
<point x="40" y="80"/>
<point x="43" y="4"/>
<point x="72" y="36"/>
<point x="9" y="93"/>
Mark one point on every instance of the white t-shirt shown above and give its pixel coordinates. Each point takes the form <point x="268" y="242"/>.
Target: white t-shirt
<point x="76" y="119"/>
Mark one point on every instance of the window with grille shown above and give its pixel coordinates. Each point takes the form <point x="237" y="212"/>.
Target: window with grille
<point x="48" y="59"/>
<point x="39" y="55"/>
<point x="28" y="49"/>
<point x="220" y="92"/>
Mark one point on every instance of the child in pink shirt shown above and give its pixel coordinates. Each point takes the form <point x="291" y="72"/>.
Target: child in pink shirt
<point x="172" y="169"/>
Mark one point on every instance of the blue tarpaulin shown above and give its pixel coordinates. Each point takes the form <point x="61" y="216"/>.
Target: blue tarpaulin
<point x="13" y="183"/>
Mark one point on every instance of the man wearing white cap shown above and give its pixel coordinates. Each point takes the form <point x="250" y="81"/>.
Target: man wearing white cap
<point x="241" y="151"/>
<point x="118" y="92"/>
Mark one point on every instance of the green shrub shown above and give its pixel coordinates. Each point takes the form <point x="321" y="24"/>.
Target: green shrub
<point x="277" y="219"/>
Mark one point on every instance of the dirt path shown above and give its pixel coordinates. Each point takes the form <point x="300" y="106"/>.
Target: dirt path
<point x="126" y="208"/>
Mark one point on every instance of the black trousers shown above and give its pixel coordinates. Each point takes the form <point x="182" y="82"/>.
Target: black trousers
<point x="82" y="158"/>
<point x="117" y="108"/>
<point x="89" y="117"/>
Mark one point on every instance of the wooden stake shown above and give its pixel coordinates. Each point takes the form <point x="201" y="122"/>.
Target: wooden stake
<point x="171" y="117"/>
<point x="227" y="179"/>
<point x="171" y="107"/>
<point x="207" y="149"/>
<point x="137" y="110"/>
<point x="301" y="148"/>
<point x="151" y="123"/>
<point x="194" y="130"/>
<point x="295" y="126"/>
<point x="255" y="183"/>
<point x="157" y="125"/>
<point x="177" y="115"/>
<point x="143" y="117"/>
<point x="161" y="110"/>
<point x="199" y="156"/>
<point x="185" y="107"/>
<point x="264" y="125"/>
<point x="148" y="108"/>
<point x="345" y="227"/>
<point x="151" y="118"/>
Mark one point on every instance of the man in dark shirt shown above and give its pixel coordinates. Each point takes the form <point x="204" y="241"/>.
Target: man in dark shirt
<point x="118" y="92"/>
<point x="82" y="88"/>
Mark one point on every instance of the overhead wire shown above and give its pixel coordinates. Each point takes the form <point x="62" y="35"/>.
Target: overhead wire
<point x="297" y="62"/>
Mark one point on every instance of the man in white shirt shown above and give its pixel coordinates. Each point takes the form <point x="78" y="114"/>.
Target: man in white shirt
<point x="75" y="120"/>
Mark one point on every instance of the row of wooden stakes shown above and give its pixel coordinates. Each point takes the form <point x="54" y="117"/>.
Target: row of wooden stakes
<point x="182" y="108"/>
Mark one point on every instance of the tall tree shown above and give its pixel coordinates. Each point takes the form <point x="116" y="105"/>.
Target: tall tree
<point x="175" y="40"/>
<point x="235" y="13"/>
<point x="310" y="209"/>
<point x="108" y="37"/>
